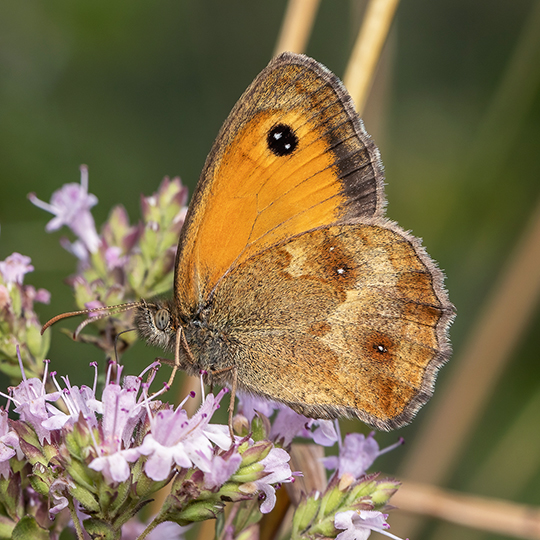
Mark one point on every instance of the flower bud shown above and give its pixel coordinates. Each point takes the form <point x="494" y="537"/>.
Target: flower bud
<point x="332" y="500"/>
<point x="241" y="425"/>
<point x="199" y="511"/>
<point x="260" y="427"/>
<point x="383" y="491"/>
<point x="230" y="491"/>
<point x="255" y="453"/>
<point x="305" y="513"/>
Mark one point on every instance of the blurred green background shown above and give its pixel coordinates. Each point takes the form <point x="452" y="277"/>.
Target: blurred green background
<point x="138" y="90"/>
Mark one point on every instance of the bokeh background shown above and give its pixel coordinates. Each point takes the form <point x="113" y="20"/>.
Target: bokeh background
<point x="138" y="91"/>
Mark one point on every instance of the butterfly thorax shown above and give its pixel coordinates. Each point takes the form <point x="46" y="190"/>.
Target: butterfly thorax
<point x="204" y="347"/>
<point x="209" y="346"/>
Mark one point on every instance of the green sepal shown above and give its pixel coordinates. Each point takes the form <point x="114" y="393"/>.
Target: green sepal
<point x="148" y="245"/>
<point x="82" y="475"/>
<point x="29" y="442"/>
<point x="105" y="495"/>
<point x="248" y="515"/>
<point x="145" y="487"/>
<point x="114" y="295"/>
<point x="82" y="293"/>
<point x="51" y="453"/>
<point x="98" y="264"/>
<point x="362" y="489"/>
<point x="79" y="440"/>
<point x="101" y="530"/>
<point x="136" y="272"/>
<point x="10" y="367"/>
<point x="117" y="225"/>
<point x="324" y="527"/>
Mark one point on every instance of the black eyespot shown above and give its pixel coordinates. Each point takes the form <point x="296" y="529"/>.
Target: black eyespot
<point x="162" y="319"/>
<point x="282" y="140"/>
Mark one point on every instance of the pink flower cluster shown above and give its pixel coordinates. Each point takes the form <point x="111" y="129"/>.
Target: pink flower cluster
<point x="172" y="440"/>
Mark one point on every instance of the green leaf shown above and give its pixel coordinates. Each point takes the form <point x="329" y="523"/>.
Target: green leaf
<point x="29" y="528"/>
<point x="6" y="528"/>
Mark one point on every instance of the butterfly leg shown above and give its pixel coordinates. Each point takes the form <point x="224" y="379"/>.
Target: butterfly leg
<point x="176" y="365"/>
<point x="231" y="403"/>
<point x="181" y="342"/>
<point x="233" y="394"/>
<point x="185" y="345"/>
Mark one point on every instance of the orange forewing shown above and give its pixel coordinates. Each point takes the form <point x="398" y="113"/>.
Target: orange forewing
<point x="248" y="198"/>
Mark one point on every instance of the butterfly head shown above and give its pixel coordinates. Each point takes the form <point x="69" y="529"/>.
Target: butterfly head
<point x="156" y="324"/>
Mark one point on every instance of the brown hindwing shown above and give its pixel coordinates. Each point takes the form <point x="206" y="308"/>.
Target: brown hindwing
<point x="344" y="320"/>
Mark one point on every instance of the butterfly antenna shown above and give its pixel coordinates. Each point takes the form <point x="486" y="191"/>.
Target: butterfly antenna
<point x="108" y="310"/>
<point x="86" y="322"/>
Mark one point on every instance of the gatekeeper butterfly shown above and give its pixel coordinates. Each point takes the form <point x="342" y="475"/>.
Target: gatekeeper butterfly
<point x="289" y="282"/>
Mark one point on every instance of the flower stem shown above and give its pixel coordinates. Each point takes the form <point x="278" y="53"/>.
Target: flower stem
<point x="75" y="518"/>
<point x="151" y="526"/>
<point x="228" y="522"/>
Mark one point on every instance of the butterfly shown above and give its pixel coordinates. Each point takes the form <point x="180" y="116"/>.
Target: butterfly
<point x="290" y="283"/>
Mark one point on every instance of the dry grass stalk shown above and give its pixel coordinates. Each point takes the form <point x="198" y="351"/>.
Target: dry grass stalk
<point x="367" y="49"/>
<point x="297" y="25"/>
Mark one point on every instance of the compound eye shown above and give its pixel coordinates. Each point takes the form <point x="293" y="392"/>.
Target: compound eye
<point x="162" y="319"/>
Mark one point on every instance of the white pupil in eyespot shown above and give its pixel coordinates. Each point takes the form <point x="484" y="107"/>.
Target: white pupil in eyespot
<point x="162" y="318"/>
